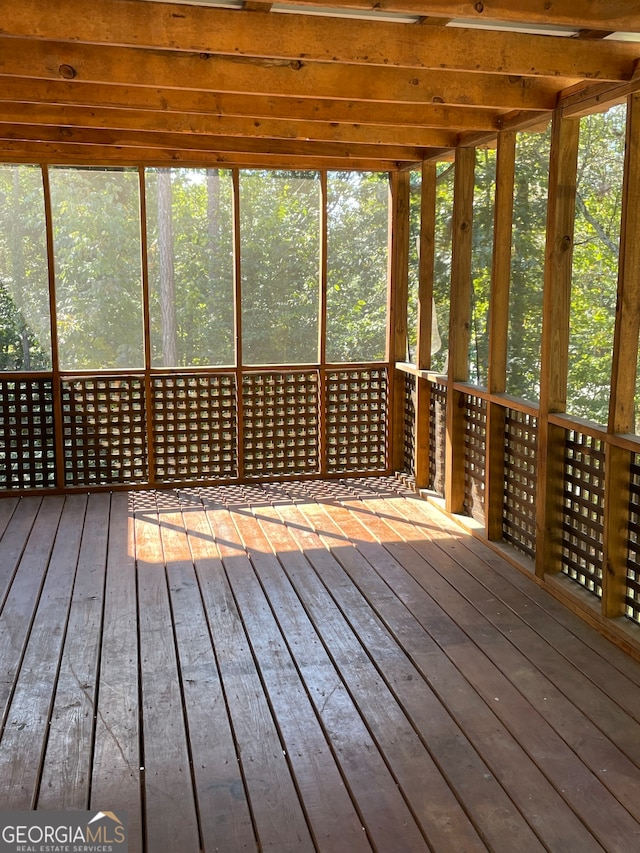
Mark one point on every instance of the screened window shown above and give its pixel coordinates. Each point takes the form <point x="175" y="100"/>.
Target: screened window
<point x="481" y="262"/>
<point x="280" y="262"/>
<point x="357" y="261"/>
<point x="442" y="267"/>
<point x="595" y="262"/>
<point x="528" y="239"/>
<point x="191" y="269"/>
<point x="414" y="264"/>
<point x="25" y="324"/>
<point x="96" y="228"/>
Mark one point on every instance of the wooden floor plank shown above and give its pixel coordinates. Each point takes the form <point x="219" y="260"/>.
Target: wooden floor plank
<point x="327" y="666"/>
<point x="433" y="806"/>
<point x="509" y="649"/>
<point x="569" y="628"/>
<point x="7" y="507"/>
<point x="168" y="785"/>
<point x="565" y="617"/>
<point x="279" y="819"/>
<point x="623" y="690"/>
<point x="225" y="818"/>
<point x="66" y="773"/>
<point x="13" y="540"/>
<point x="334" y="822"/>
<point x="385" y="814"/>
<point x="612" y="825"/>
<point x="473" y="780"/>
<point x="115" y="781"/>
<point x="25" y="733"/>
<point x="534" y="796"/>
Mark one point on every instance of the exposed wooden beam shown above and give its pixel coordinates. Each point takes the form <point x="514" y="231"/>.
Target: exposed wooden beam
<point x="231" y="126"/>
<point x="114" y="155"/>
<point x="201" y="143"/>
<point x="184" y="71"/>
<point x="610" y="15"/>
<point x="242" y="34"/>
<point x="167" y="101"/>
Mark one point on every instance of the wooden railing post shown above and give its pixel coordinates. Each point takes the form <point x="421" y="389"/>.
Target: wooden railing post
<point x="555" y="339"/>
<point x="623" y="376"/>
<point x="425" y="310"/>
<point x="459" y="321"/>
<point x="397" y="324"/>
<point x="498" y="332"/>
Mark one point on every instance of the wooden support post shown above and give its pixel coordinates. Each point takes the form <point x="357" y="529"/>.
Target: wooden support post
<point x="498" y="333"/>
<point x="322" y="327"/>
<point x="459" y="322"/>
<point x="623" y="376"/>
<point x="555" y="340"/>
<point x="58" y="424"/>
<point x="398" y="298"/>
<point x="237" y="316"/>
<point x="425" y="310"/>
<point x="146" y="314"/>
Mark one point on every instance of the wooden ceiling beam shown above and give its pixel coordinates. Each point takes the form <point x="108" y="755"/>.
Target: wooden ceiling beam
<point x="189" y="72"/>
<point x="206" y="144"/>
<point x="610" y="15"/>
<point x="203" y="104"/>
<point x="161" y="122"/>
<point x="306" y="38"/>
<point x="60" y="153"/>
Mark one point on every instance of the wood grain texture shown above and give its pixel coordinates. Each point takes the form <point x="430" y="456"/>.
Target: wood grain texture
<point x="307" y="666"/>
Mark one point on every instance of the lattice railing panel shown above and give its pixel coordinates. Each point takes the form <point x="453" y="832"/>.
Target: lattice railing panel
<point x="437" y="435"/>
<point x="409" y="467"/>
<point x="281" y="423"/>
<point x="104" y="430"/>
<point x="632" y="598"/>
<point x="583" y="525"/>
<point x="195" y="427"/>
<point x="520" y="481"/>
<point x="475" y="435"/>
<point x="356" y="419"/>
<point x="27" y="444"/>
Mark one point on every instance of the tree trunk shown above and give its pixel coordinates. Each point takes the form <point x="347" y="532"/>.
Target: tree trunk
<point x="213" y="219"/>
<point x="167" y="270"/>
<point x="18" y="271"/>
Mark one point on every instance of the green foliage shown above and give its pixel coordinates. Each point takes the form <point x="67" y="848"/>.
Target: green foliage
<point x="595" y="262"/>
<point x="527" y="264"/>
<point x="96" y="228"/>
<point x="25" y="340"/>
<point x="481" y="261"/>
<point x="280" y="263"/>
<point x="442" y="262"/>
<point x="202" y="256"/>
<point x="358" y="221"/>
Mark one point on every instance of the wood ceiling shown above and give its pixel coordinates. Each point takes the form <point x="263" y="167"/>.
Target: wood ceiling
<point x="365" y="84"/>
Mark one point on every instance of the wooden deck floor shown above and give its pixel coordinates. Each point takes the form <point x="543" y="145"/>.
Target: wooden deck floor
<point x="319" y="666"/>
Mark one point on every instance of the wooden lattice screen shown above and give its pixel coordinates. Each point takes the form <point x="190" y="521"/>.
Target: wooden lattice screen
<point x="632" y="598"/>
<point x="356" y="419"/>
<point x="437" y="433"/>
<point x="409" y="466"/>
<point x="104" y="430"/>
<point x="475" y="416"/>
<point x="520" y="466"/>
<point x="194" y="427"/>
<point x="583" y="526"/>
<point x="27" y="454"/>
<point x="281" y="423"/>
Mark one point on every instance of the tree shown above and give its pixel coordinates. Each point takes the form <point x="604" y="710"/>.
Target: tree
<point x="25" y="341"/>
